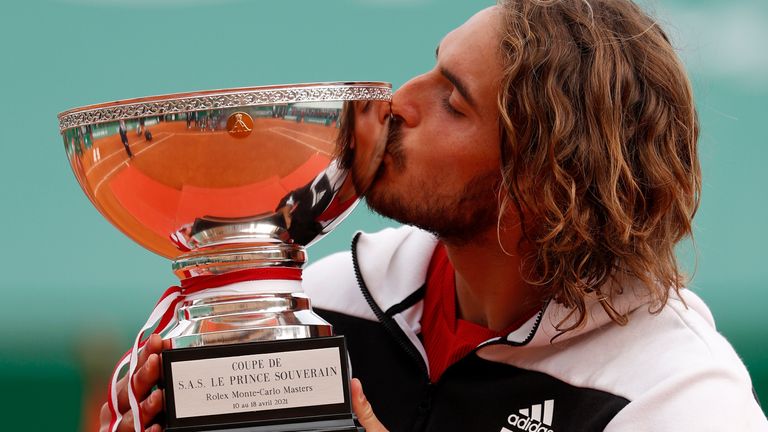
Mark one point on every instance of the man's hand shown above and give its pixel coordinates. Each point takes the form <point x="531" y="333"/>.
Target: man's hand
<point x="363" y="409"/>
<point x="150" y="402"/>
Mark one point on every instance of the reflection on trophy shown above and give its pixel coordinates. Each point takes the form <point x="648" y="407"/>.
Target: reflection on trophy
<point x="232" y="185"/>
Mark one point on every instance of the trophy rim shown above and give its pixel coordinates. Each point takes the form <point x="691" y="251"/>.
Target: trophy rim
<point x="175" y="103"/>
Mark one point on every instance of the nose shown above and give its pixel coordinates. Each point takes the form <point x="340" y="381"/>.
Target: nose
<point x="405" y="102"/>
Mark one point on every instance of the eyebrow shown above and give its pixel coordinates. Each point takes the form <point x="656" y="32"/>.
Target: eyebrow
<point x="460" y="86"/>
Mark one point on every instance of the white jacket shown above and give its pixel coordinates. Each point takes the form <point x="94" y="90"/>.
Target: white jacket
<point x="668" y="371"/>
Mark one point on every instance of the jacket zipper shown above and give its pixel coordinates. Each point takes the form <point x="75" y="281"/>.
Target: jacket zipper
<point x="389" y="324"/>
<point x="531" y="333"/>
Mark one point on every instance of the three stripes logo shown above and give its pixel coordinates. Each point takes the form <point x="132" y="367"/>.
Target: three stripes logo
<point x="533" y="419"/>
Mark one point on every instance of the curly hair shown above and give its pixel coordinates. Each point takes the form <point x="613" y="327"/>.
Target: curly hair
<point x="599" y="152"/>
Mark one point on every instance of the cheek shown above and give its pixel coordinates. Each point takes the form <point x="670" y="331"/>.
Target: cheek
<point x="452" y="147"/>
<point x="471" y="153"/>
<point x="485" y="148"/>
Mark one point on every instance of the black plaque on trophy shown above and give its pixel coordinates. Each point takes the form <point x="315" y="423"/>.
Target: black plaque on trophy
<point x="287" y="385"/>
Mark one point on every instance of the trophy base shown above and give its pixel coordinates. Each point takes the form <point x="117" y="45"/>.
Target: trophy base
<point x="295" y="385"/>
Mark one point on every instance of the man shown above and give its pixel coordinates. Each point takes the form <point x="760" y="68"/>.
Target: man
<point x="123" y="131"/>
<point x="549" y="161"/>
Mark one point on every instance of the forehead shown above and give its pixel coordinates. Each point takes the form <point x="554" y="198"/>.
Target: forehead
<point x="483" y="29"/>
<point x="472" y="51"/>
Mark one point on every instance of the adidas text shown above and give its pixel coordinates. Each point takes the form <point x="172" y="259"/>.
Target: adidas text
<point x="526" y="424"/>
<point x="533" y="419"/>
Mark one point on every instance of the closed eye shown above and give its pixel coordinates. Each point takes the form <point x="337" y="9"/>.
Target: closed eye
<point x="450" y="108"/>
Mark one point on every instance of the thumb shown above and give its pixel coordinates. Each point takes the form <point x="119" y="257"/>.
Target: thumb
<point x="363" y="409"/>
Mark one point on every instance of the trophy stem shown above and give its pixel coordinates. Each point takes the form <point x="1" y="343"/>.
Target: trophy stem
<point x="216" y="261"/>
<point x="219" y="319"/>
<point x="244" y="310"/>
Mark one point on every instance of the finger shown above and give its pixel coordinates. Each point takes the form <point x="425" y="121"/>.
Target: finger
<point x="144" y="379"/>
<point x="147" y="377"/>
<point x="104" y="418"/>
<point x="152" y="406"/>
<point x="126" y="423"/>
<point x="363" y="409"/>
<point x="154" y="345"/>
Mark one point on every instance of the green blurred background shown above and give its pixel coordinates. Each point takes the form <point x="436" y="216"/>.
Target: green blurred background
<point x="73" y="290"/>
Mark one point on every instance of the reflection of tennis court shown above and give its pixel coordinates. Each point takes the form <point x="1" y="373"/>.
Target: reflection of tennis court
<point x="183" y="173"/>
<point x="305" y="139"/>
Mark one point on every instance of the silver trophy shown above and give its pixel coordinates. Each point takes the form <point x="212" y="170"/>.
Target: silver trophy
<point x="232" y="185"/>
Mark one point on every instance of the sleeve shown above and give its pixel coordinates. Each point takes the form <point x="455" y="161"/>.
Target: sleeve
<point x="701" y="399"/>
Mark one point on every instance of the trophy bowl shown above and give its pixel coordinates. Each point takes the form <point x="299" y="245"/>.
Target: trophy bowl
<point x="232" y="185"/>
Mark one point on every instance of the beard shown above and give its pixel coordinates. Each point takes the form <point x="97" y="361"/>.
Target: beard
<point x="457" y="217"/>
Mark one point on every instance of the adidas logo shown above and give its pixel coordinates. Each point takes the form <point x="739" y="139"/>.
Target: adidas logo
<point x="532" y="419"/>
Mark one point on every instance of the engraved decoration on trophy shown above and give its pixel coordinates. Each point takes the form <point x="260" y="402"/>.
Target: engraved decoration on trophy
<point x="232" y="185"/>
